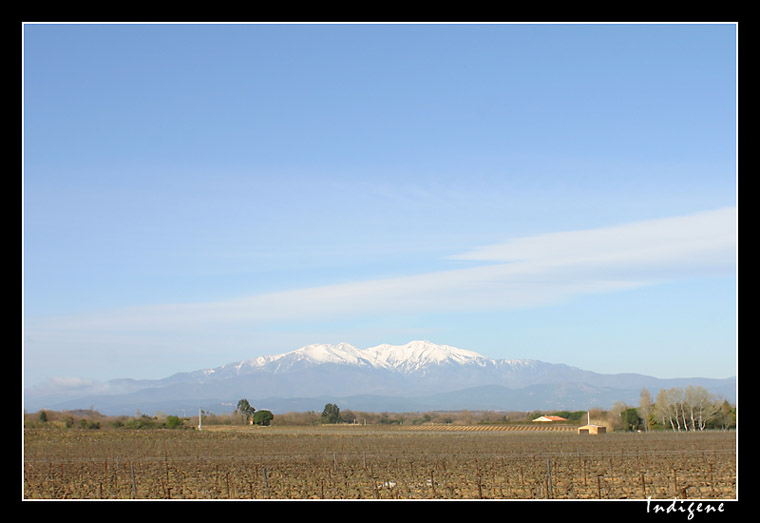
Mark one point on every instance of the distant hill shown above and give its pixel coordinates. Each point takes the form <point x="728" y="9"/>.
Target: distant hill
<point x="417" y="376"/>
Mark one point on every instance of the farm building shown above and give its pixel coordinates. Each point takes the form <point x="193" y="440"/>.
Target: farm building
<point x="592" y="429"/>
<point x="550" y="418"/>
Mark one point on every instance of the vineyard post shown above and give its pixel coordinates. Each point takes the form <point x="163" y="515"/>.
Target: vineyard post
<point x="712" y="483"/>
<point x="585" y="475"/>
<point x="116" y="475"/>
<point x="266" y="483"/>
<point x="134" y="483"/>
<point x="599" y="485"/>
<point x="643" y="485"/>
<point x="675" y="482"/>
<point x="550" y="492"/>
<point x="166" y="468"/>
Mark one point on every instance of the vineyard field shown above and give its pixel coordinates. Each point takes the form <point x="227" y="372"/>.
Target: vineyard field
<point x="373" y="462"/>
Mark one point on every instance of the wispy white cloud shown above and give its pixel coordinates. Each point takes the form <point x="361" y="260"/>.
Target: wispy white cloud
<point x="525" y="272"/>
<point x="663" y="241"/>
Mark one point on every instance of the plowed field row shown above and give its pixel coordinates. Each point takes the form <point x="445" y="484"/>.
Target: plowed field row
<point x="488" y="428"/>
<point x="371" y="463"/>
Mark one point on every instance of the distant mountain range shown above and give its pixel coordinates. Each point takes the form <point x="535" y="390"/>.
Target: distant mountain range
<point x="418" y="376"/>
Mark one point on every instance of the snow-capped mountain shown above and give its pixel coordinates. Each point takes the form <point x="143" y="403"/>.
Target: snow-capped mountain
<point x="419" y="375"/>
<point x="415" y="356"/>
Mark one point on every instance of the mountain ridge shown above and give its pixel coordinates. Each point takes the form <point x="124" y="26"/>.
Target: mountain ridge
<point x="419" y="373"/>
<point x="413" y="355"/>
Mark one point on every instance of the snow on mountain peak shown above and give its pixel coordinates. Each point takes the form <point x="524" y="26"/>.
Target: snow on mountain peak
<point x="324" y="353"/>
<point x="415" y="355"/>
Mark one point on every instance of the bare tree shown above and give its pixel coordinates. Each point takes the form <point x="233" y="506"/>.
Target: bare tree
<point x="688" y="409"/>
<point x="615" y="415"/>
<point x="667" y="407"/>
<point x="646" y="407"/>
<point x="702" y="406"/>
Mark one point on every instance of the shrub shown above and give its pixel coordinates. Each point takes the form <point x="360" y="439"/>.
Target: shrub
<point x="173" y="422"/>
<point x="263" y="417"/>
<point x="143" y="422"/>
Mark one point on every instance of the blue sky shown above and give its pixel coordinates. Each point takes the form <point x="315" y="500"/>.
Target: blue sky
<point x="200" y="194"/>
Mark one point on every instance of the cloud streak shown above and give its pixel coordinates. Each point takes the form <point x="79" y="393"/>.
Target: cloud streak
<point x="662" y="241"/>
<point x="524" y="272"/>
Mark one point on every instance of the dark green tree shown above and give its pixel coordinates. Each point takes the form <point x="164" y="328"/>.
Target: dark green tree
<point x="263" y="417"/>
<point x="578" y="415"/>
<point x="724" y="418"/>
<point x="631" y="420"/>
<point x="331" y="414"/>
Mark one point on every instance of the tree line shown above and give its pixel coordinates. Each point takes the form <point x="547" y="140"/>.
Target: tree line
<point x="685" y="409"/>
<point x="677" y="409"/>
